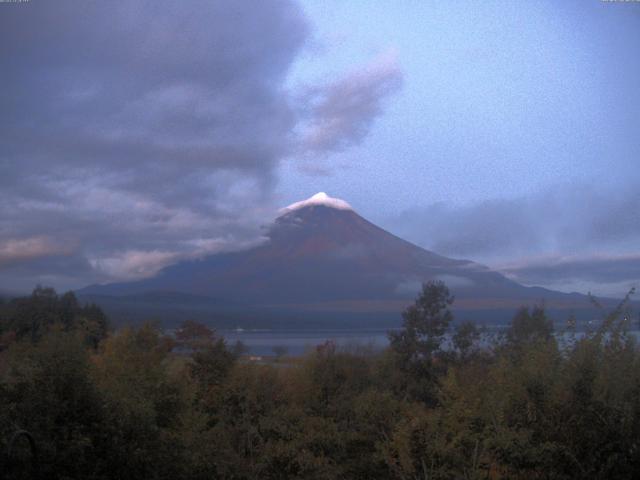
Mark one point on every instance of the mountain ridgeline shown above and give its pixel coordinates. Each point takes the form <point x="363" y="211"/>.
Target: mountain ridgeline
<point x="322" y="262"/>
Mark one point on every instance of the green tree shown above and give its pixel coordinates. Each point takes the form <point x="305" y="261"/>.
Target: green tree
<point x="211" y="364"/>
<point x="424" y="323"/>
<point x="210" y="358"/>
<point x="529" y="326"/>
<point x="33" y="316"/>
<point x="279" y="351"/>
<point x="146" y="397"/>
<point x="416" y="345"/>
<point x="465" y="339"/>
<point x="49" y="392"/>
<point x="194" y="336"/>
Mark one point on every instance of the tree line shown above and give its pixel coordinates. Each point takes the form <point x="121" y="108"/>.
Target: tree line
<point x="444" y="400"/>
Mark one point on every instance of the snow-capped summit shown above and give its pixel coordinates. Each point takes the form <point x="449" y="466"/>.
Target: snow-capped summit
<point x="320" y="260"/>
<point x="319" y="198"/>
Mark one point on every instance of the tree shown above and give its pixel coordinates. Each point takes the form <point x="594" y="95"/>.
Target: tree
<point x="194" y="336"/>
<point x="211" y="364"/>
<point x="44" y="310"/>
<point x="211" y="359"/>
<point x="414" y="347"/>
<point x="425" y="323"/>
<point x="93" y="323"/>
<point x="465" y="339"/>
<point x="529" y="327"/>
<point x="145" y="396"/>
<point x="49" y="393"/>
<point x="280" y="351"/>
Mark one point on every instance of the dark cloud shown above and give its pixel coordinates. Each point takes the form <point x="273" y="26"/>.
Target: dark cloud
<point x="139" y="133"/>
<point x="147" y="85"/>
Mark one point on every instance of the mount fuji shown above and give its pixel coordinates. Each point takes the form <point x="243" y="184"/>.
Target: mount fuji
<point x="321" y="262"/>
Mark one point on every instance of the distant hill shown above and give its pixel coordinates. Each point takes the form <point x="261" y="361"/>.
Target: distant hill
<point x="322" y="262"/>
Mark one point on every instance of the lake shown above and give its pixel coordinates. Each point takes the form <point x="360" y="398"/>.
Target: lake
<point x="297" y="342"/>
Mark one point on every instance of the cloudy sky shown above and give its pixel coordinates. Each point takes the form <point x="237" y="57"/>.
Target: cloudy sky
<point x="137" y="134"/>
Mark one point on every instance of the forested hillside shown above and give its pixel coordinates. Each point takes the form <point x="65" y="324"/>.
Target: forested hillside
<point x="444" y="401"/>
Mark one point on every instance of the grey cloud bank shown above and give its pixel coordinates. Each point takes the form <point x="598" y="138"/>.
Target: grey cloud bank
<point x="571" y="237"/>
<point x="608" y="274"/>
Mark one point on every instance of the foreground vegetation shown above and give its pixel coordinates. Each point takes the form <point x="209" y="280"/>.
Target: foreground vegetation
<point x="439" y="403"/>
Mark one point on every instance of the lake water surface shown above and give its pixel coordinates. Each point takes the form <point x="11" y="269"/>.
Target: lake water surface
<point x="297" y="342"/>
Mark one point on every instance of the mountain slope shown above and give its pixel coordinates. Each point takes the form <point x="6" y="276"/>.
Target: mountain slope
<point x="320" y="254"/>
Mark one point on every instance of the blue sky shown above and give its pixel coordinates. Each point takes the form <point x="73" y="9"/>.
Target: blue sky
<point x="139" y="135"/>
<point x="499" y="99"/>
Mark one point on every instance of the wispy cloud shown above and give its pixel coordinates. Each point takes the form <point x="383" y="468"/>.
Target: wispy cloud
<point x="342" y="112"/>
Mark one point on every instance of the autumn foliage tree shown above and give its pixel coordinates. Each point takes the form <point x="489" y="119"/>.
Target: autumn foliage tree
<point x="436" y="404"/>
